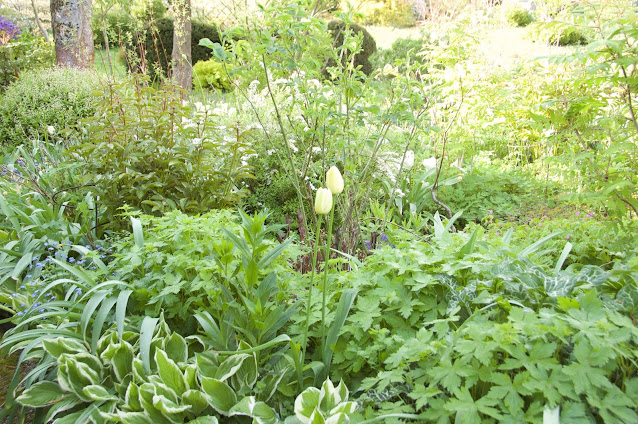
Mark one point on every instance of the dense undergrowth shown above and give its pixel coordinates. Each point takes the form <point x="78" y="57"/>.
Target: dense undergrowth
<point x="471" y="255"/>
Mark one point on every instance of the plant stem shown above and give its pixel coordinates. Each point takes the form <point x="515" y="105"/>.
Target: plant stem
<point x="325" y="279"/>
<point x="309" y="301"/>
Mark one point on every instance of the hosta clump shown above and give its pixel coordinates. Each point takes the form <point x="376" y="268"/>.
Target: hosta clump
<point x="137" y="379"/>
<point x="149" y="150"/>
<point x="327" y="405"/>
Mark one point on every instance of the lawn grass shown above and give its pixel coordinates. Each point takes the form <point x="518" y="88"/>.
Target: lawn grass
<point x="102" y="63"/>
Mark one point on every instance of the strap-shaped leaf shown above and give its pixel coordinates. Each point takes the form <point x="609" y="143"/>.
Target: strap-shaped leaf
<point x="146" y="337"/>
<point x="98" y="323"/>
<point x="120" y="310"/>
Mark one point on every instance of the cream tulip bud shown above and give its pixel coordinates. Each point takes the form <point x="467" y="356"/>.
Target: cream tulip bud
<point x="334" y="180"/>
<point x="323" y="201"/>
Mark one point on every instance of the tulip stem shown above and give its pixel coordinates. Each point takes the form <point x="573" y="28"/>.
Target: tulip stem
<point x="309" y="301"/>
<point x="325" y="278"/>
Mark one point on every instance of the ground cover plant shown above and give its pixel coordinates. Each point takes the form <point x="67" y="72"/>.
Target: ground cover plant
<point x="321" y="233"/>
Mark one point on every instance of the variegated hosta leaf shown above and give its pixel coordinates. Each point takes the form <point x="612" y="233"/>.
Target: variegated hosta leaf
<point x="230" y="366"/>
<point x="339" y="418"/>
<point x="169" y="407"/>
<point x="58" y="346"/>
<point x="176" y="348"/>
<point x="42" y="394"/>
<point x="98" y="393"/>
<point x="219" y="394"/>
<point x="132" y="418"/>
<point x="306" y="403"/>
<point x="259" y="411"/>
<point x="316" y="417"/>
<point x="344" y="408"/>
<point x="169" y="372"/>
<point x="196" y="399"/>
<point x="74" y="375"/>
<point x="207" y="364"/>
<point x="204" y="420"/>
<point x="132" y="398"/>
<point x="329" y="396"/>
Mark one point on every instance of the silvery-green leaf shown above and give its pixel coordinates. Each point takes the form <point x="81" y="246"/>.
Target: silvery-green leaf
<point x="551" y="415"/>
<point x="230" y="366"/>
<point x="58" y="346"/>
<point x="61" y="406"/>
<point x="342" y="389"/>
<point x="306" y="403"/>
<point x="196" y="399"/>
<point x="169" y="372"/>
<point x="167" y="406"/>
<point x="204" y="420"/>
<point x="132" y="398"/>
<point x="207" y="364"/>
<point x="190" y="376"/>
<point x="134" y="418"/>
<point x="122" y="361"/>
<point x="259" y="411"/>
<point x="219" y="394"/>
<point x="42" y="394"/>
<point x="98" y="393"/>
<point x="176" y="348"/>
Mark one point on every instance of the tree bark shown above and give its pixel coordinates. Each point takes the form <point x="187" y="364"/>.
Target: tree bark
<point x="181" y="55"/>
<point x="72" y="33"/>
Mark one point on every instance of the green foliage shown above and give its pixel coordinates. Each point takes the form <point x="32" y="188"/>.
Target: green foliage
<point x="123" y="20"/>
<point x="559" y="34"/>
<point x="111" y="383"/>
<point x="519" y="17"/>
<point x="368" y="46"/>
<point x="26" y="53"/>
<point x="149" y="151"/>
<point x="397" y="14"/>
<point x="211" y="74"/>
<point x="158" y="44"/>
<point x="404" y="51"/>
<point x="56" y="97"/>
<point x="328" y="403"/>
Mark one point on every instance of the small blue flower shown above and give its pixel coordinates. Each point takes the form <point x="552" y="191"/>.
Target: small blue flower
<point x="14" y="294"/>
<point x="88" y="246"/>
<point x="78" y="290"/>
<point x="50" y="249"/>
<point x="367" y="244"/>
<point x="28" y="276"/>
<point x="23" y="286"/>
<point x="41" y="310"/>
<point x="93" y="267"/>
<point x="46" y="244"/>
<point x="383" y="237"/>
<point x="36" y="304"/>
<point x="19" y="314"/>
<point x="71" y="260"/>
<point x="102" y="256"/>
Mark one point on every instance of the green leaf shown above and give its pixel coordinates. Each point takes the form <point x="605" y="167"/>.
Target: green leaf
<point x="138" y="233"/>
<point x="230" y="366"/>
<point x="306" y="403"/>
<point x="98" y="393"/>
<point x="120" y="310"/>
<point x="176" y="348"/>
<point x="196" y="399"/>
<point x="43" y="393"/>
<point x="343" y="309"/>
<point x="59" y="345"/>
<point x="170" y="372"/>
<point x="204" y="420"/>
<point x="146" y="336"/>
<point x="21" y="265"/>
<point x="248" y="406"/>
<point x="219" y="394"/>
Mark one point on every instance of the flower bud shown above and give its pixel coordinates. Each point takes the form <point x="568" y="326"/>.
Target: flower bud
<point x="334" y="180"/>
<point x="323" y="201"/>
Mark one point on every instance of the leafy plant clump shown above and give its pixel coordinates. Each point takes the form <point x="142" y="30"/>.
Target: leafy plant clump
<point x="519" y="17"/>
<point x="41" y="104"/>
<point x="211" y="74"/>
<point x="368" y="45"/>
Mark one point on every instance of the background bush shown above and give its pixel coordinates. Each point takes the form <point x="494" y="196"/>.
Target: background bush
<point x="211" y="74"/>
<point x="519" y="17"/>
<point x="369" y="46"/>
<point x="158" y="44"/>
<point x="402" y="50"/>
<point x="56" y="97"/>
<point x="25" y="52"/>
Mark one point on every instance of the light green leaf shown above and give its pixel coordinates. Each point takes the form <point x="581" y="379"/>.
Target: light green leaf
<point x="146" y="336"/>
<point x="170" y="372"/>
<point x="306" y="403"/>
<point x="219" y="394"/>
<point x="98" y="393"/>
<point x="230" y="366"/>
<point x="41" y="394"/>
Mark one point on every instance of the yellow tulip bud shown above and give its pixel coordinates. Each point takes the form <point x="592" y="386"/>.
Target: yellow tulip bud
<point x="323" y="201"/>
<point x="334" y="180"/>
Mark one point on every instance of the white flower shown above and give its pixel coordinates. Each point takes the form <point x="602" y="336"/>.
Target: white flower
<point x="51" y="129"/>
<point x="429" y="163"/>
<point x="197" y="141"/>
<point x="408" y="161"/>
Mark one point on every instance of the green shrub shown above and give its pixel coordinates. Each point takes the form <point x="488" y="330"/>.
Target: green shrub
<point x="395" y="14"/>
<point x="55" y="97"/>
<point x="560" y="34"/>
<point x="147" y="150"/>
<point x="368" y="47"/>
<point x="402" y="50"/>
<point x="19" y="55"/>
<point x="158" y="44"/>
<point x="519" y="17"/>
<point x="123" y="21"/>
<point x="211" y="74"/>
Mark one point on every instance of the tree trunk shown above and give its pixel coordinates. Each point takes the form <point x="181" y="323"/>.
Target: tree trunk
<point x="181" y="55"/>
<point x="72" y="33"/>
